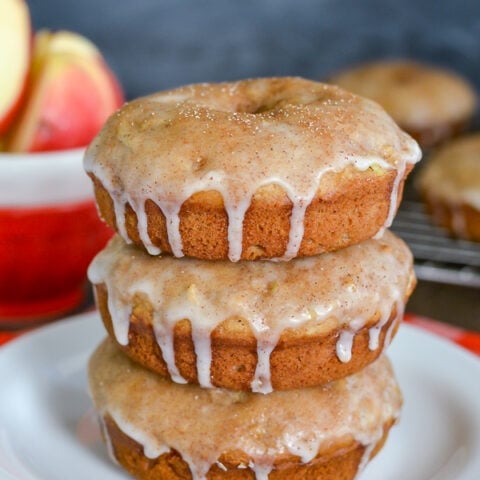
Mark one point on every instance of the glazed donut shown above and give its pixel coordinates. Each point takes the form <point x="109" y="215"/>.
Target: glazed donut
<point x="450" y="185"/>
<point x="265" y="168"/>
<point x="159" y="430"/>
<point x="430" y="103"/>
<point x="257" y="326"/>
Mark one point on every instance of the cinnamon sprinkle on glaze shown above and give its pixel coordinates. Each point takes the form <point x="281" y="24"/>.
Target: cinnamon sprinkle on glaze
<point x="237" y="139"/>
<point x="344" y="290"/>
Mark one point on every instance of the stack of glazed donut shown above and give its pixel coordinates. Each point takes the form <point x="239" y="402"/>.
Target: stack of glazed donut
<point x="253" y="285"/>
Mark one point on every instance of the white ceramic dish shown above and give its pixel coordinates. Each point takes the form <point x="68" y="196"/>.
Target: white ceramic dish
<point x="48" y="430"/>
<point x="44" y="178"/>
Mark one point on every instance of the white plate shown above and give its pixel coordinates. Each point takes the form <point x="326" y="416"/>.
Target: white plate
<point x="48" y="430"/>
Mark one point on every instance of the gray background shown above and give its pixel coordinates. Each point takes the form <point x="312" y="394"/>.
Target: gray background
<point x="157" y="44"/>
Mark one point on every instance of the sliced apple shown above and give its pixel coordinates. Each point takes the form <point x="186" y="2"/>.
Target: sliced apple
<point x="15" y="53"/>
<point x="72" y="93"/>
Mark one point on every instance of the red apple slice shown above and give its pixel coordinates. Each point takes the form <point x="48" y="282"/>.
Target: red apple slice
<point x="72" y="94"/>
<point x="15" y="52"/>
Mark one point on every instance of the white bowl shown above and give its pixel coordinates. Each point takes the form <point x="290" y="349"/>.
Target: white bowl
<point x="47" y="178"/>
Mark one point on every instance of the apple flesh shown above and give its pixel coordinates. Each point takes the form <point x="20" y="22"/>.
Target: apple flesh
<point x="72" y="93"/>
<point x="15" y="53"/>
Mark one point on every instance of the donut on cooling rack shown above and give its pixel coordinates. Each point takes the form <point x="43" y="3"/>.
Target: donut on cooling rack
<point x="430" y="103"/>
<point x="265" y="168"/>
<point x="450" y="185"/>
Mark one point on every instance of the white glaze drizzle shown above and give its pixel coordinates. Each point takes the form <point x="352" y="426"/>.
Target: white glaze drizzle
<point x="119" y="208"/>
<point x="365" y="458"/>
<point x="236" y="214"/>
<point x="172" y="215"/>
<point x="121" y="325"/>
<point x="142" y="226"/>
<point x="107" y="439"/>
<point x="261" y="471"/>
<point x="296" y="229"/>
<point x="304" y="446"/>
<point x="388" y="335"/>
<point x="198" y="469"/>
<point x="305" y="449"/>
<point x="374" y="337"/>
<point x="147" y="409"/>
<point x="345" y="340"/>
<point x="394" y="194"/>
<point x="294" y="158"/>
<point x="192" y="305"/>
<point x="203" y="351"/>
<point x="370" y="444"/>
<point x="398" y="318"/>
<point x="164" y="336"/>
<point x="354" y="285"/>
<point x="374" y="332"/>
<point x="344" y="346"/>
<point x="262" y="382"/>
<point x="116" y="304"/>
<point x="150" y="449"/>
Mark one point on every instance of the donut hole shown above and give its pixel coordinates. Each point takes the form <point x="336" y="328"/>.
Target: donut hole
<point x="266" y="107"/>
<point x="286" y="101"/>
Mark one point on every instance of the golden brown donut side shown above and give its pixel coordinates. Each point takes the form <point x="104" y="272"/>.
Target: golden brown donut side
<point x="450" y="186"/>
<point x="350" y="207"/>
<point x="341" y="462"/>
<point x="299" y="360"/>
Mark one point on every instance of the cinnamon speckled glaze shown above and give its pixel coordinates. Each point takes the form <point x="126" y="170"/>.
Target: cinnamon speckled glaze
<point x="254" y="325"/>
<point x="264" y="168"/>
<point x="159" y="430"/>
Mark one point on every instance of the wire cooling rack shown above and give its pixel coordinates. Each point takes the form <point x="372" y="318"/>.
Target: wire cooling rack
<point x="438" y="257"/>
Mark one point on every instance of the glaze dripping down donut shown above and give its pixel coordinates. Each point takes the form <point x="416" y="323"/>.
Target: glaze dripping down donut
<point x="301" y="434"/>
<point x="254" y="325"/>
<point x="206" y="170"/>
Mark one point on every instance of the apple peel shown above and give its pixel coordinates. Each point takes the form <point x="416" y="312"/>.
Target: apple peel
<point x="15" y="55"/>
<point x="73" y="92"/>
